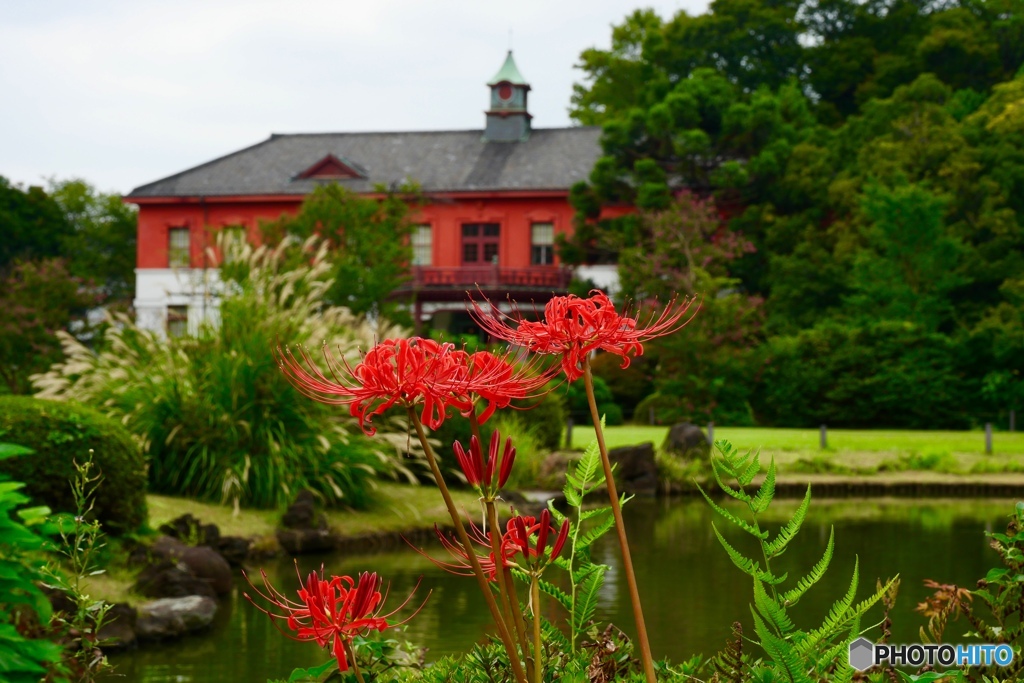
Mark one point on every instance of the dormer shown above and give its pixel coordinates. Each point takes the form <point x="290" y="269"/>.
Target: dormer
<point x="508" y="119"/>
<point x="331" y="168"/>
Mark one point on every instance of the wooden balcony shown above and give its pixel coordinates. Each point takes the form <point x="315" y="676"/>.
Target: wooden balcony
<point x="537" y="283"/>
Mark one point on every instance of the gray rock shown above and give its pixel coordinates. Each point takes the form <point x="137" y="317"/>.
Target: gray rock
<point x="203" y="562"/>
<point x="552" y="471"/>
<point x="118" y="629"/>
<point x="171" y="579"/>
<point x="172" y="617"/>
<point x="687" y="440"/>
<point x="234" y="549"/>
<point x="299" y="541"/>
<point x="636" y="471"/>
<point x="303" y="514"/>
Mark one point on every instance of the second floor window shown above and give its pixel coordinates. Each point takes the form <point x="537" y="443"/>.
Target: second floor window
<point x="423" y="246"/>
<point x="542" y="244"/>
<point x="480" y="243"/>
<point x="178" y="248"/>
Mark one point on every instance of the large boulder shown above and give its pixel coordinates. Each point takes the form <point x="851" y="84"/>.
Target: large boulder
<point x="171" y="579"/>
<point x="687" y="440"/>
<point x="203" y="562"/>
<point x="118" y="629"/>
<point x="636" y="470"/>
<point x="172" y="617"/>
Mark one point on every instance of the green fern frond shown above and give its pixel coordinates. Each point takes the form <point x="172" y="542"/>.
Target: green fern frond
<point x="557" y="593"/>
<point x="781" y="651"/>
<point x="763" y="535"/>
<point x="837" y="617"/>
<point x="738" y="494"/>
<point x="791" y="596"/>
<point x="766" y="493"/>
<point x="587" y="539"/>
<point x="786" y="533"/>
<point x="773" y="612"/>
<point x="590" y="514"/>
<point x="745" y="564"/>
<point x="751" y="470"/>
<point x="586" y="597"/>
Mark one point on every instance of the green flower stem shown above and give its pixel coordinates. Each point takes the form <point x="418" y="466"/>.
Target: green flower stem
<point x="460" y="531"/>
<point x="620" y="528"/>
<point x="535" y="599"/>
<point x="355" y="664"/>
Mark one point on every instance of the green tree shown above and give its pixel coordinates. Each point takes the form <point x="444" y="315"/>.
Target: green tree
<point x="32" y="224"/>
<point x="369" y="241"/>
<point x="102" y="244"/>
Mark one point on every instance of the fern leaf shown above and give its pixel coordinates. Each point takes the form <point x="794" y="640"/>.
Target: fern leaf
<point x="557" y="593"/>
<point x="731" y="517"/>
<point x="586" y="597"/>
<point x="738" y="494"/>
<point x="557" y="515"/>
<point x="587" y="539"/>
<point x="745" y="564"/>
<point x="751" y="470"/>
<point x="590" y="514"/>
<point x="837" y="617"/>
<point x="817" y="571"/>
<point x="781" y="651"/>
<point x="764" y="495"/>
<point x="771" y="610"/>
<point x="786" y="533"/>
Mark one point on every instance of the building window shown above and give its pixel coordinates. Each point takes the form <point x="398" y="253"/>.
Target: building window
<point x="422" y="246"/>
<point x="177" y="321"/>
<point x="542" y="244"/>
<point x="178" y="248"/>
<point x="480" y="243"/>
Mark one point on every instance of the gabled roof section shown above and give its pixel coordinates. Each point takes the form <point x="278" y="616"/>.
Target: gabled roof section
<point x="508" y="73"/>
<point x="331" y="168"/>
<point x="440" y="161"/>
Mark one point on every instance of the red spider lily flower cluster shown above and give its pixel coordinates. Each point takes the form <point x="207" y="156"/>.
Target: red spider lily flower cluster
<point x="480" y="474"/>
<point x="331" y="613"/>
<point x="573" y="327"/>
<point x="525" y="536"/>
<point x="412" y="372"/>
<point x="529" y="536"/>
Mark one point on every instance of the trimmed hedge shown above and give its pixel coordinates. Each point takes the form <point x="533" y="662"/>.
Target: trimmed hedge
<point x="61" y="433"/>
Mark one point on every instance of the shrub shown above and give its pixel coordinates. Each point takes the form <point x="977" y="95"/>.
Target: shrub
<point x="546" y="417"/>
<point x="628" y="385"/>
<point x="217" y="417"/>
<point x="886" y="374"/>
<point x="62" y="433"/>
<point x="579" y="406"/>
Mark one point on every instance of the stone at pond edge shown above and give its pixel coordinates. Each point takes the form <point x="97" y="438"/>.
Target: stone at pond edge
<point x="299" y="541"/>
<point x="234" y="549"/>
<point x="204" y="562"/>
<point x="687" y="440"/>
<point x="189" y="529"/>
<point x="118" y="630"/>
<point x="171" y="579"/>
<point x="636" y="470"/>
<point x="171" y="617"/>
<point x="302" y="514"/>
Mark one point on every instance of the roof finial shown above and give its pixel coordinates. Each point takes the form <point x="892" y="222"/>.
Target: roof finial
<point x="510" y="40"/>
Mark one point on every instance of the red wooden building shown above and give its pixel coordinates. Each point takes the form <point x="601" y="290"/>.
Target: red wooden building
<point x="496" y="198"/>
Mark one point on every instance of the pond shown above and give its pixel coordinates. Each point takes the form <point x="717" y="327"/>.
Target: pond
<point x="691" y="591"/>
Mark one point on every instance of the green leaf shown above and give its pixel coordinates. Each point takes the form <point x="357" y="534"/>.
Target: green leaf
<point x="738" y="494"/>
<point x="764" y="495"/>
<point x="781" y="652"/>
<point x="587" y="539"/>
<point x="587" y="592"/>
<point x="557" y="593"/>
<point x="817" y="571"/>
<point x="751" y="470"/>
<point x="10" y="450"/>
<point x="786" y="533"/>
<point x="745" y="564"/>
<point x="313" y="672"/>
<point x="771" y="610"/>
<point x="731" y="517"/>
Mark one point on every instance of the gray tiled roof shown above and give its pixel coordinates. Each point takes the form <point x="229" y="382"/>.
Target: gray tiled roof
<point x="551" y="159"/>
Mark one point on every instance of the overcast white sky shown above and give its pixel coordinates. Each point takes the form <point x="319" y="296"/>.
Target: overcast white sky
<point x="123" y="92"/>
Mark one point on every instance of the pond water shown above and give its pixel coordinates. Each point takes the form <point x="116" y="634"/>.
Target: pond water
<point x="691" y="591"/>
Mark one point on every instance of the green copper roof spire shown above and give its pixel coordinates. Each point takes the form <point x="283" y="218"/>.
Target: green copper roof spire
<point x="508" y="73"/>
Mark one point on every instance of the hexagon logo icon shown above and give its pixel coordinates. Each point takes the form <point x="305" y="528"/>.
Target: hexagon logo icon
<point x="862" y="654"/>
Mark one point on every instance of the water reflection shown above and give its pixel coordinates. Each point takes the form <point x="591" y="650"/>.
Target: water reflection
<point x="692" y="593"/>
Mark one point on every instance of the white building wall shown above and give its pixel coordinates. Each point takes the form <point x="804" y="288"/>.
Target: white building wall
<point x="158" y="288"/>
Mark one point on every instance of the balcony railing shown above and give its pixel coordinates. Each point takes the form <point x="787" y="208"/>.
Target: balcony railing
<point x="427" y="281"/>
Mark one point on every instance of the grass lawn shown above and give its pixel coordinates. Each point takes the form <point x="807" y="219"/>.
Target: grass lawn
<point x="851" y="451"/>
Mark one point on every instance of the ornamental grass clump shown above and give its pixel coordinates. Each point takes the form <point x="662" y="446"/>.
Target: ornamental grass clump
<point x="216" y="419"/>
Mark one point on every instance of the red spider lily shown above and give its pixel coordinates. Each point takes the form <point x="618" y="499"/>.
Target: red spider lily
<point x="523" y="530"/>
<point x="407" y="371"/>
<point x="498" y="380"/>
<point x="462" y="565"/>
<point x="573" y="327"/>
<point x="481" y="474"/>
<point x="332" y="612"/>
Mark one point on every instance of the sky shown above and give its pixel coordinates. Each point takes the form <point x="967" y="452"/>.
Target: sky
<point x="124" y="92"/>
